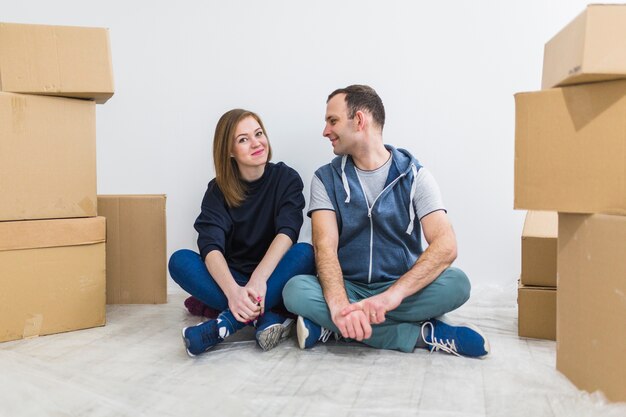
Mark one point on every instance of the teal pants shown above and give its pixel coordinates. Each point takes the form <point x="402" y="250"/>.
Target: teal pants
<point x="401" y="329"/>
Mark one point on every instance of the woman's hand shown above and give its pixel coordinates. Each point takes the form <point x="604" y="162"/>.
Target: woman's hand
<point x="257" y="288"/>
<point x="242" y="305"/>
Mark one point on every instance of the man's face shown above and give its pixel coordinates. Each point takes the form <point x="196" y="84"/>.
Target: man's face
<point x="339" y="129"/>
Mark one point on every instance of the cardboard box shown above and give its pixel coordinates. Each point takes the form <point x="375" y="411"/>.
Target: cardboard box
<point x="536" y="312"/>
<point x="56" y="60"/>
<point x="570" y="149"/>
<point x="47" y="157"/>
<point x="539" y="245"/>
<point x="136" y="248"/>
<point x="591" y="48"/>
<point x="52" y="276"/>
<point x="591" y="302"/>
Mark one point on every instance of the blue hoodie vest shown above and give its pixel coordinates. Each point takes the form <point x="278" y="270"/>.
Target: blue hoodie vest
<point x="382" y="242"/>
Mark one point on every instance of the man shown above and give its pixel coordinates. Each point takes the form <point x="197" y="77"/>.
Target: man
<point x="368" y="206"/>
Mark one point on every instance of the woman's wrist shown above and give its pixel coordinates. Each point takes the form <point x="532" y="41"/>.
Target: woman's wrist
<point x="231" y="290"/>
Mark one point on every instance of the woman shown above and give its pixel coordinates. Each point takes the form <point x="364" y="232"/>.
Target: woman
<point x="250" y="219"/>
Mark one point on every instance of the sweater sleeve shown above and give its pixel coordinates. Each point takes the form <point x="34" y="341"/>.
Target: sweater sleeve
<point x="289" y="216"/>
<point x="213" y="224"/>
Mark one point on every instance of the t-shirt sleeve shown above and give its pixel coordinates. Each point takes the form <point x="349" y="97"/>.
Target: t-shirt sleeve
<point x="427" y="195"/>
<point x="319" y="197"/>
<point x="289" y="216"/>
<point x="213" y="224"/>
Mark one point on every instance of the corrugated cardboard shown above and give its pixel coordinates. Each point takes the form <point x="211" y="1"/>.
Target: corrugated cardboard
<point x="136" y="248"/>
<point x="537" y="312"/>
<point x="570" y="149"/>
<point x="591" y="302"/>
<point x="47" y="157"/>
<point x="52" y="276"/>
<point x="539" y="245"/>
<point x="56" y="60"/>
<point x="591" y="48"/>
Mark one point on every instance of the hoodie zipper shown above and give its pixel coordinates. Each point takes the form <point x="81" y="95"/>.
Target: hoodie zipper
<point x="369" y="215"/>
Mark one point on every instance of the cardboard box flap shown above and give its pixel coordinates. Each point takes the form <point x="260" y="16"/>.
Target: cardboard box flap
<point x="132" y="196"/>
<point x="47" y="157"/>
<point x="56" y="60"/>
<point x="591" y="48"/>
<point x="541" y="224"/>
<point x="570" y="149"/>
<point x="29" y="234"/>
<point x="136" y="248"/>
<point x="591" y="302"/>
<point x="537" y="312"/>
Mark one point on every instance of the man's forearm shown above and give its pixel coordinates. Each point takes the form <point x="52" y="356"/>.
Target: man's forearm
<point x="331" y="278"/>
<point x="435" y="259"/>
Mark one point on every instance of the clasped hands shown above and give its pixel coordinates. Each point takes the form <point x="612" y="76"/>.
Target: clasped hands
<point x="248" y="303"/>
<point x="355" y="320"/>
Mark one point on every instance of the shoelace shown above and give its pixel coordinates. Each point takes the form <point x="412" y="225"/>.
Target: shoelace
<point x="325" y="335"/>
<point x="209" y="338"/>
<point x="446" y="345"/>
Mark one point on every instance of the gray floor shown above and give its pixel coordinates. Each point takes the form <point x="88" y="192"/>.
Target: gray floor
<point x="136" y="366"/>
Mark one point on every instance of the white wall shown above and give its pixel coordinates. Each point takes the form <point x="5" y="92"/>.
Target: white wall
<point x="446" y="72"/>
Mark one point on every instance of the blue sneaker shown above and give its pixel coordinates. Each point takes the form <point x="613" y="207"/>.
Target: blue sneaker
<point x="464" y="340"/>
<point x="271" y="329"/>
<point x="202" y="337"/>
<point x="310" y="333"/>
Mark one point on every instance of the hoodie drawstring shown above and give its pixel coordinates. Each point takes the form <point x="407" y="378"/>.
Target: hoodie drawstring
<point x="409" y="229"/>
<point x="344" y="178"/>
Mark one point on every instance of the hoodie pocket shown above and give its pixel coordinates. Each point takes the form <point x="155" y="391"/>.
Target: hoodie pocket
<point x="354" y="260"/>
<point x="389" y="263"/>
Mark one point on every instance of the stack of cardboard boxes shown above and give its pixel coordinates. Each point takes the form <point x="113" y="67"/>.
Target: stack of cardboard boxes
<point x="570" y="158"/>
<point x="536" y="294"/>
<point x="52" y="250"/>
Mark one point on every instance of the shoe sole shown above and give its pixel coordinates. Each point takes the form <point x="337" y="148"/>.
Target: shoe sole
<point x="186" y="342"/>
<point x="270" y="337"/>
<point x="486" y="345"/>
<point x="302" y="332"/>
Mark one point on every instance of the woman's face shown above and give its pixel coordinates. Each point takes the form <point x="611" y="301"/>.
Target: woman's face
<point x="250" y="148"/>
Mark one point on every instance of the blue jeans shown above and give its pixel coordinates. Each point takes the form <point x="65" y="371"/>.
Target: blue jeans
<point x="402" y="326"/>
<point x="189" y="271"/>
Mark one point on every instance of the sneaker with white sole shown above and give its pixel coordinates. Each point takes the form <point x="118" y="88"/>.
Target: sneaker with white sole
<point x="463" y="340"/>
<point x="202" y="337"/>
<point x="272" y="329"/>
<point x="310" y="333"/>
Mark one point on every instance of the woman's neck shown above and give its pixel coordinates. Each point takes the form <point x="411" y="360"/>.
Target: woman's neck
<point x="250" y="174"/>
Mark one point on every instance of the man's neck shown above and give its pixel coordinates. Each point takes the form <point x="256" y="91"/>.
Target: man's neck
<point x="372" y="157"/>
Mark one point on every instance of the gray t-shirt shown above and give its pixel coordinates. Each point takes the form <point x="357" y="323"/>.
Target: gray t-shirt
<point x="426" y="200"/>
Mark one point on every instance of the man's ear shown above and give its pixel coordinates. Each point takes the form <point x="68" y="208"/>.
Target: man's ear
<point x="360" y="119"/>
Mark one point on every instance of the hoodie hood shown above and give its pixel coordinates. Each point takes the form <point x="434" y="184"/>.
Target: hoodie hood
<point x="402" y="163"/>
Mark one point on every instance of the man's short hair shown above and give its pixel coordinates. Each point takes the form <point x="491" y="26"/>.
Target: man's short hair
<point x="362" y="97"/>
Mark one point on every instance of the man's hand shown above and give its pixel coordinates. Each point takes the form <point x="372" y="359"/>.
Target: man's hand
<point x="353" y="325"/>
<point x="374" y="308"/>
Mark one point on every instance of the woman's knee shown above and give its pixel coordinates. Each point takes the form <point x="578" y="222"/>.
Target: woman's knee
<point x="304" y="250"/>
<point x="180" y="261"/>
<point x="300" y="259"/>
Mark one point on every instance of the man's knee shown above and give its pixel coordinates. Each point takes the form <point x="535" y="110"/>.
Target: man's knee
<point x="458" y="284"/>
<point x="300" y="291"/>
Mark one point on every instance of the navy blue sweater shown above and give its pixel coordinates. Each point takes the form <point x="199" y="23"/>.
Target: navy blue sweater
<point x="273" y="204"/>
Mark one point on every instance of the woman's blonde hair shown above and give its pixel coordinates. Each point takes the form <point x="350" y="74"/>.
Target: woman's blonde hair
<point x="227" y="173"/>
